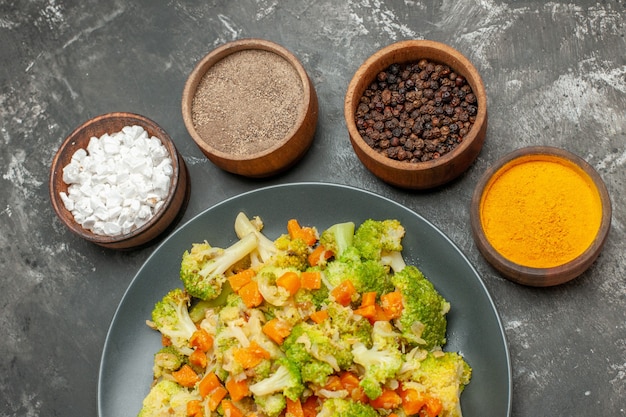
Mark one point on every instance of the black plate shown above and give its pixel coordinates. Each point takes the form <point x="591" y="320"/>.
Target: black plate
<point x="474" y="328"/>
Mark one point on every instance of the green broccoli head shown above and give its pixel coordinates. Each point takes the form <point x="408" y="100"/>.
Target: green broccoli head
<point x="171" y="317"/>
<point x="350" y="327"/>
<point x="203" y="268"/>
<point x="374" y="237"/>
<point x="337" y="238"/>
<point x="271" y="405"/>
<point x="167" y="360"/>
<point x="339" y="407"/>
<point x="423" y="319"/>
<point x="167" y="398"/>
<point x="381" y="362"/>
<point x="286" y="380"/>
<point x="442" y="375"/>
<point x="291" y="253"/>
<point x="366" y="275"/>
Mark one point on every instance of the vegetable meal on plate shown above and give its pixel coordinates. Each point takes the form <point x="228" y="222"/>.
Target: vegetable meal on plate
<point x="330" y="323"/>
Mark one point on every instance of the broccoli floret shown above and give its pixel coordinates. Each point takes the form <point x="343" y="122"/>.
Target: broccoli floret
<point x="350" y="327"/>
<point x="167" y="360"/>
<point x="272" y="404"/>
<point x="423" y="319"/>
<point x="266" y="248"/>
<point x="171" y="317"/>
<point x="366" y="275"/>
<point x="292" y="253"/>
<point x="442" y="375"/>
<point x="198" y="309"/>
<point x="373" y="237"/>
<point x="337" y="238"/>
<point x="318" y="350"/>
<point x="286" y="380"/>
<point x="339" y="407"/>
<point x="381" y="362"/>
<point x="203" y="268"/>
<point x="167" y="398"/>
<point x="316" y="297"/>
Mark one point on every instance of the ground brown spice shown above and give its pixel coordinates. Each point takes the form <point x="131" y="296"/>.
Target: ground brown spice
<point x="247" y="102"/>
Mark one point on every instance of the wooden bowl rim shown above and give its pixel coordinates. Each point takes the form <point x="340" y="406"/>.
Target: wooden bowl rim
<point x="220" y="53"/>
<point x="382" y="59"/>
<point x="76" y="136"/>
<point x="541" y="277"/>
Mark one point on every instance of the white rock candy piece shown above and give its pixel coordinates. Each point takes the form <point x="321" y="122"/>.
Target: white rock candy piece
<point x="118" y="182"/>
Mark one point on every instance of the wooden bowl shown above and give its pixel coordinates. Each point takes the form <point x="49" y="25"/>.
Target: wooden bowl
<point x="520" y="263"/>
<point x="434" y="172"/>
<point x="166" y="217"/>
<point x="287" y="145"/>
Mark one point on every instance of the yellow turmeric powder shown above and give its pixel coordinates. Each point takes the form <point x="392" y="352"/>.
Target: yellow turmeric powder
<point x="540" y="211"/>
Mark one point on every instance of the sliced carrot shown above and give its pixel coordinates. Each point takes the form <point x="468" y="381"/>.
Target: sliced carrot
<point x="277" y="330"/>
<point x="294" y="408"/>
<point x="230" y="409"/>
<point x="368" y="299"/>
<point x="318" y="255"/>
<point x="250" y="356"/>
<point x="311" y="280"/>
<point x="388" y="400"/>
<point x="412" y="401"/>
<point x="186" y="376"/>
<point x="350" y="383"/>
<point x="298" y="232"/>
<point x="369" y="312"/>
<point x="391" y="304"/>
<point x="344" y="292"/>
<point x="250" y="294"/>
<point x="202" y="340"/>
<point x="208" y="384"/>
<point x="433" y="406"/>
<point x="215" y="397"/>
<point x="333" y="383"/>
<point x="310" y="406"/>
<point x="194" y="408"/>
<point x="240" y="279"/>
<point x="290" y="281"/>
<point x="198" y="358"/>
<point x="166" y="341"/>
<point x="319" y="316"/>
<point x="380" y="315"/>
<point x="237" y="389"/>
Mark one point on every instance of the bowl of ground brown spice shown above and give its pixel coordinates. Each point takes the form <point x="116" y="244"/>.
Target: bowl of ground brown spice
<point x="416" y="113"/>
<point x="251" y="108"/>
<point x="540" y="215"/>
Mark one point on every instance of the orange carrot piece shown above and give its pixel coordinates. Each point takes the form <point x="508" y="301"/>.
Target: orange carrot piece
<point x="368" y="299"/>
<point x="198" y="358"/>
<point x="298" y="232"/>
<point x="250" y="294"/>
<point x="208" y="384"/>
<point x="240" y="279"/>
<point x="294" y="408"/>
<point x="319" y="316"/>
<point x="333" y="383"/>
<point x="319" y="254"/>
<point x="237" y="389"/>
<point x="186" y="376"/>
<point x="311" y="280"/>
<point x="194" y="408"/>
<point x="215" y="397"/>
<point x="350" y="383"/>
<point x="230" y="409"/>
<point x="379" y="315"/>
<point x="412" y="401"/>
<point x="344" y="292"/>
<point x="290" y="281"/>
<point x="277" y="330"/>
<point x="166" y="341"/>
<point x="433" y="406"/>
<point x="202" y="340"/>
<point x="250" y="356"/>
<point x="392" y="305"/>
<point x="310" y="406"/>
<point x="369" y="312"/>
<point x="388" y="400"/>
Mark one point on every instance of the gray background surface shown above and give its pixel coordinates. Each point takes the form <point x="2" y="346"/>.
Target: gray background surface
<point x="555" y="74"/>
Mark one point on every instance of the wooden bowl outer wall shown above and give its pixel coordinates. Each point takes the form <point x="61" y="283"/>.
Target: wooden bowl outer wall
<point x="166" y="217"/>
<point x="282" y="155"/>
<point x="541" y="277"/>
<point x="431" y="173"/>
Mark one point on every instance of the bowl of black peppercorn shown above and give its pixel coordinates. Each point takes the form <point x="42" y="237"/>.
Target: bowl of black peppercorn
<point x="416" y="113"/>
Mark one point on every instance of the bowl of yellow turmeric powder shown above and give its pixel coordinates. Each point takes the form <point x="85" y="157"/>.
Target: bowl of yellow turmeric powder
<point x="540" y="215"/>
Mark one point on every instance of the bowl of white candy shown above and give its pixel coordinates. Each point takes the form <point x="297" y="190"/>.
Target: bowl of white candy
<point x="118" y="181"/>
